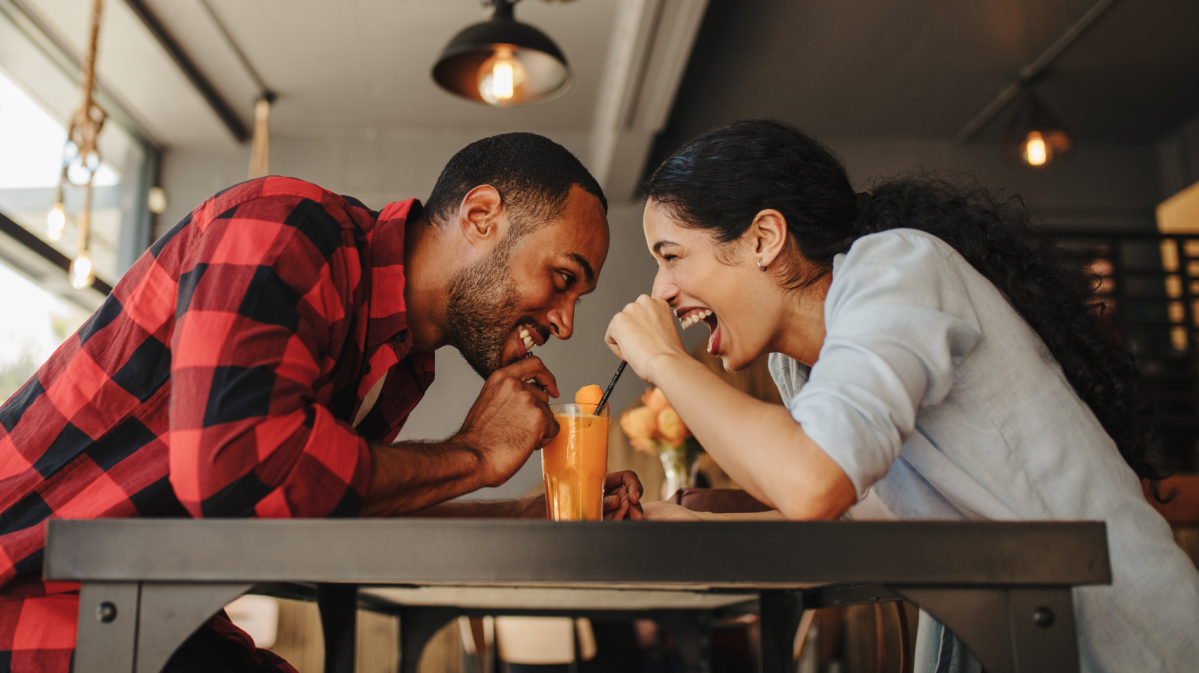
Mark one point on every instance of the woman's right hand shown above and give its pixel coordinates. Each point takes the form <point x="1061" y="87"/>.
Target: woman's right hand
<point x="642" y="332"/>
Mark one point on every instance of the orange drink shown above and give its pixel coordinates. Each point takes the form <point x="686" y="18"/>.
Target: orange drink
<point x="575" y="463"/>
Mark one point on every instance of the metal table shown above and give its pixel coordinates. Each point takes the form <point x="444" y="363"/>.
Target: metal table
<point x="1003" y="588"/>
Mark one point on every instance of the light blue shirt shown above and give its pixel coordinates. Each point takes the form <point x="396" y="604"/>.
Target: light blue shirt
<point x="940" y="402"/>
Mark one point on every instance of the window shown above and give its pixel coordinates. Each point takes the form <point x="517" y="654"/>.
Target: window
<point x="31" y="147"/>
<point x="39" y="90"/>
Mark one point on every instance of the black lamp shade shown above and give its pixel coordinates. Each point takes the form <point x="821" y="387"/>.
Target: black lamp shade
<point x="537" y="72"/>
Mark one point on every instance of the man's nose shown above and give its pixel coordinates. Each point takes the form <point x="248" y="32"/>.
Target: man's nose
<point x="562" y="321"/>
<point x="664" y="287"/>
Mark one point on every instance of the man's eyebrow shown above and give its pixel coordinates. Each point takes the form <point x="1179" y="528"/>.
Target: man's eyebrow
<point x="588" y="272"/>
<point x="661" y="244"/>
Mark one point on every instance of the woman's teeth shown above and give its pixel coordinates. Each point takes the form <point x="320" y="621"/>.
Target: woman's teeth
<point x="527" y="339"/>
<point x="694" y="318"/>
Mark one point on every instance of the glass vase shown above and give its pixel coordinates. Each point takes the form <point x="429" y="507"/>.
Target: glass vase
<point x="676" y="465"/>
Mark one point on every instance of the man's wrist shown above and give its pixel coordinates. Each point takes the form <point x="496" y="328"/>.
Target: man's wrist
<point x="478" y="475"/>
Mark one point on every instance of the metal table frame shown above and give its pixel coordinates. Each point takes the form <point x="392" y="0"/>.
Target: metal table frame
<point x="1003" y="588"/>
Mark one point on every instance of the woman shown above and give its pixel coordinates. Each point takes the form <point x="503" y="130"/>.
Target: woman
<point x="937" y="359"/>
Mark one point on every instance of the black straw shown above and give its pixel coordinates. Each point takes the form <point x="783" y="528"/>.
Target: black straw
<point x="599" y="408"/>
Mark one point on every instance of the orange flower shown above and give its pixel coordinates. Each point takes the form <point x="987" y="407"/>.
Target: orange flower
<point x="638" y="423"/>
<point x="655" y="401"/>
<point x="672" y="429"/>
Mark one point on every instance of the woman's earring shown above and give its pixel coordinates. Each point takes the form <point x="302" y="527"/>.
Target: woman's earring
<point x="760" y="267"/>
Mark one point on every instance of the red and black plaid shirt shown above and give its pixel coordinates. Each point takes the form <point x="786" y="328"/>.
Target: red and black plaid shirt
<point x="218" y="380"/>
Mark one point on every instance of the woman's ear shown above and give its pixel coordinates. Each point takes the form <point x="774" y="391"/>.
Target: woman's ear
<point x="481" y="216"/>
<point x="768" y="234"/>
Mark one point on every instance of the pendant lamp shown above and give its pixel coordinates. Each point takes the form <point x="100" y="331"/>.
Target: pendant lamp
<point x="503" y="62"/>
<point x="1035" y="137"/>
<point x="80" y="161"/>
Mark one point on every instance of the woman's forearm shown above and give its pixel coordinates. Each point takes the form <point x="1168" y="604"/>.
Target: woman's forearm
<point x="759" y="445"/>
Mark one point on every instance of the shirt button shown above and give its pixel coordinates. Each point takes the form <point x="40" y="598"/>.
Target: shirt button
<point x="366" y="369"/>
<point x="402" y="337"/>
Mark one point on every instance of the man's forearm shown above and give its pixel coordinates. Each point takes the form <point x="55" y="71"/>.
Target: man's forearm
<point x="413" y="476"/>
<point x="525" y="508"/>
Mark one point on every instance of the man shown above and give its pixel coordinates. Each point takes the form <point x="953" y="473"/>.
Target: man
<point x="261" y="356"/>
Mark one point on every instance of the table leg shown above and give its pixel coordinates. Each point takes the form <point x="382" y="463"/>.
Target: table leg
<point x="779" y="615"/>
<point x="338" y="604"/>
<point x="107" y="635"/>
<point x="169" y="614"/>
<point x="1008" y="630"/>
<point x="417" y="626"/>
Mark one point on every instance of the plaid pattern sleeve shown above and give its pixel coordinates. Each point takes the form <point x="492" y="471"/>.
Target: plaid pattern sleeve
<point x="218" y="379"/>
<point x="259" y="303"/>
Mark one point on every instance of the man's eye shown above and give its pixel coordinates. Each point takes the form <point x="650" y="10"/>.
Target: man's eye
<point x="566" y="277"/>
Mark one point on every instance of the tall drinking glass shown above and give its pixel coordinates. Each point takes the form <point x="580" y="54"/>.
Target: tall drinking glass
<point x="575" y="463"/>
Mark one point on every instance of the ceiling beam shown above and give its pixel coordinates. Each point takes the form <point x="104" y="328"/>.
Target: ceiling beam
<point x="209" y="93"/>
<point x="651" y="45"/>
<point x="1029" y="73"/>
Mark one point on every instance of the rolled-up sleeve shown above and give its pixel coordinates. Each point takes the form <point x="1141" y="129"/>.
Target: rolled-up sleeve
<point x="261" y="288"/>
<point x="898" y="321"/>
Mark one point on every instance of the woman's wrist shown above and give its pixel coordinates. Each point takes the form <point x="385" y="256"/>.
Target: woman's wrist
<point x="664" y="365"/>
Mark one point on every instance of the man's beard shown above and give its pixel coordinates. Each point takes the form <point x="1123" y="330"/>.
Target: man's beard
<point x="482" y="305"/>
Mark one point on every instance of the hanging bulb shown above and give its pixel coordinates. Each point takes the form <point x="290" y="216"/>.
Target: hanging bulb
<point x="1034" y="151"/>
<point x="56" y="221"/>
<point x="81" y="272"/>
<point x="502" y="78"/>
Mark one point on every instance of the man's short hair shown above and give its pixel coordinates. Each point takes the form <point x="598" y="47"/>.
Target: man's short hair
<point x="533" y="175"/>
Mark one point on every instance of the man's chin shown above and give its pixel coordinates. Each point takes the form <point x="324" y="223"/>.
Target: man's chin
<point x="483" y="366"/>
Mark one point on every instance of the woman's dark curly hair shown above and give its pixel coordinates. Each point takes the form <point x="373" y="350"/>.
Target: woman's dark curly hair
<point x="721" y="180"/>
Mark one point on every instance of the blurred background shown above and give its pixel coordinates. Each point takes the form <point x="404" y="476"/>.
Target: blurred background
<point x="1087" y="110"/>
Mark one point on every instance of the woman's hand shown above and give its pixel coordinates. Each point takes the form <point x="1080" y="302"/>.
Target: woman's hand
<point x="642" y="332"/>
<point x="664" y="510"/>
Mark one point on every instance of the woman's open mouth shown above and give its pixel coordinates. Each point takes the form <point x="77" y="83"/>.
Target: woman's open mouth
<point x="690" y="316"/>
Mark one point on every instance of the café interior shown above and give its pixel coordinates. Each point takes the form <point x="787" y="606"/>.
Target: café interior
<point x="119" y="117"/>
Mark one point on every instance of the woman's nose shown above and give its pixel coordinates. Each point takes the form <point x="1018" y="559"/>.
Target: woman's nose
<point x="664" y="286"/>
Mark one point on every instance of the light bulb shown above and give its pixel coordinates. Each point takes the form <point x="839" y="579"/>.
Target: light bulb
<point x="56" y="221"/>
<point x="81" y="272"/>
<point x="501" y="78"/>
<point x="1036" y="150"/>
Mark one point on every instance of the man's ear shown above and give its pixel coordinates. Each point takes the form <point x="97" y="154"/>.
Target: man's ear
<point x="482" y="217"/>
<point x="769" y="236"/>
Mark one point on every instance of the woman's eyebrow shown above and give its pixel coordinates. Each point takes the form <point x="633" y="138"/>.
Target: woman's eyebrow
<point x="661" y="244"/>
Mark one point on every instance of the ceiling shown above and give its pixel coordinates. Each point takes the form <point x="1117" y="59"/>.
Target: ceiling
<point x="924" y="68"/>
<point x="842" y="70"/>
<point x="353" y="67"/>
<point x="361" y="69"/>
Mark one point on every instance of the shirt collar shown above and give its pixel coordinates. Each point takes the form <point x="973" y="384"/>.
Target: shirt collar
<point x="388" y="312"/>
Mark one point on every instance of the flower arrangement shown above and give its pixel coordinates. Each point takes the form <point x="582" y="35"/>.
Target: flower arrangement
<point x="656" y="428"/>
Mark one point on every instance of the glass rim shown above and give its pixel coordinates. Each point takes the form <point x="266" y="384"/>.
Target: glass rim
<point x="576" y="409"/>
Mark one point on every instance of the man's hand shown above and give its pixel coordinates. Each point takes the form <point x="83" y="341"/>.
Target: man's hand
<point x="510" y="419"/>
<point x="622" y="496"/>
